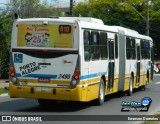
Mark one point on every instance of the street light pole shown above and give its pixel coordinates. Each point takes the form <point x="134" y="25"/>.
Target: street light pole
<point x="71" y="7"/>
<point x="147" y="18"/>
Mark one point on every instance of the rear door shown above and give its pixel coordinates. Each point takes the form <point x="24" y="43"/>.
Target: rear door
<point x="138" y="63"/>
<point x="111" y="64"/>
<point x="152" y="62"/>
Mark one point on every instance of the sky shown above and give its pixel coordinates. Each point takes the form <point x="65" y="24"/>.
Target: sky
<point x="63" y="1"/>
<point x="49" y="1"/>
<point x="3" y="2"/>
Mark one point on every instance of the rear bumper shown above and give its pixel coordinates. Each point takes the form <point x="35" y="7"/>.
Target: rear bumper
<point x="45" y="93"/>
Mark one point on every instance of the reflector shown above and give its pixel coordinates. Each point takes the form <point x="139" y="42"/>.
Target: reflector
<point x="11" y="69"/>
<point x="76" y="77"/>
<point x="77" y="71"/>
<point x="12" y="74"/>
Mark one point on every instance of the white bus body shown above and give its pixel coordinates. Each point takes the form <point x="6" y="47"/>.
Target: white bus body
<point x="77" y="59"/>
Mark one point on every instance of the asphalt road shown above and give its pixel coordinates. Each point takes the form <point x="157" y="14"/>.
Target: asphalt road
<point x="112" y="105"/>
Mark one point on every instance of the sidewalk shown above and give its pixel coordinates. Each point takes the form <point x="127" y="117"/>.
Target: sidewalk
<point x="4" y="84"/>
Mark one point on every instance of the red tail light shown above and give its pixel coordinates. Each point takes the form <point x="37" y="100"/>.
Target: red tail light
<point x="12" y="74"/>
<point x="76" y="77"/>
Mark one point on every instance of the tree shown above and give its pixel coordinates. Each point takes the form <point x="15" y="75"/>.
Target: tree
<point x="5" y="33"/>
<point x="127" y="13"/>
<point x="25" y="9"/>
<point x="33" y="8"/>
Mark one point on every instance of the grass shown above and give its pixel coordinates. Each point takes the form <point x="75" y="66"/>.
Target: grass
<point x="2" y="91"/>
<point x="4" y="80"/>
<point x="153" y="122"/>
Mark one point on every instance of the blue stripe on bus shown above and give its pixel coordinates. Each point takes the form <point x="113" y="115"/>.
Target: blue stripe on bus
<point x="103" y="73"/>
<point x="37" y="75"/>
<point x="89" y="76"/>
<point x="55" y="76"/>
<point x="148" y="68"/>
<point x="92" y="75"/>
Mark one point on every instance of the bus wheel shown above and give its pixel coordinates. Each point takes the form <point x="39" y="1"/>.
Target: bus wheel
<point x="130" y="91"/>
<point x="46" y="102"/>
<point x="101" y="95"/>
<point x="145" y="86"/>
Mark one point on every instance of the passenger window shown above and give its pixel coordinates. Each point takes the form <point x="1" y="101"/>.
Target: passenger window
<point x="87" y="48"/>
<point x="103" y="45"/>
<point x="116" y="45"/>
<point x="95" y="45"/>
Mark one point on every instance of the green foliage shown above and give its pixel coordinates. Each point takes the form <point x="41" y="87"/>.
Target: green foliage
<point x="25" y="9"/>
<point x="33" y="9"/>
<point x="2" y="91"/>
<point x="127" y="13"/>
<point x="5" y="33"/>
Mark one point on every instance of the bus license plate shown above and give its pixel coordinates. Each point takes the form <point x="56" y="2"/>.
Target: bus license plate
<point x="42" y="89"/>
<point x="46" y="80"/>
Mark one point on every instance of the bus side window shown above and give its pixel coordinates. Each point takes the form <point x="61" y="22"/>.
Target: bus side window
<point x="87" y="49"/>
<point x="116" y="46"/>
<point x="133" y="48"/>
<point x="94" y="45"/>
<point x="148" y="52"/>
<point x="128" y="45"/>
<point x="145" y="49"/>
<point x="103" y="45"/>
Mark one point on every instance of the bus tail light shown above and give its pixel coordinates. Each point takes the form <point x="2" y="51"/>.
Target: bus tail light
<point x="12" y="74"/>
<point x="77" y="72"/>
<point x="76" y="77"/>
<point x="11" y="69"/>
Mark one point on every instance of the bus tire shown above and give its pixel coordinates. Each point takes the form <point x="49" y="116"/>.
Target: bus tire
<point x="46" y="102"/>
<point x="145" y="86"/>
<point x="101" y="94"/>
<point x="130" y="91"/>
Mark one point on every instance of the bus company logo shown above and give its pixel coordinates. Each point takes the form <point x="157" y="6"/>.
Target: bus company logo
<point x="18" y="58"/>
<point x="146" y="101"/>
<point x="6" y="118"/>
<point x="137" y="106"/>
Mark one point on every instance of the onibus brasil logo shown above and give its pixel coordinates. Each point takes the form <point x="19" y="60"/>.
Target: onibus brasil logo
<point x="137" y="106"/>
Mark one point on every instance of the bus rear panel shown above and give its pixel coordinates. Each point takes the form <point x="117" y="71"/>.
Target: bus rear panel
<point x="44" y="60"/>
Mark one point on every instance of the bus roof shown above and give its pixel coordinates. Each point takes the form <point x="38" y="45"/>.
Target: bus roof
<point x="29" y="20"/>
<point x="130" y="32"/>
<point x="126" y="30"/>
<point x="64" y="19"/>
<point x="87" y="25"/>
<point x="85" y="19"/>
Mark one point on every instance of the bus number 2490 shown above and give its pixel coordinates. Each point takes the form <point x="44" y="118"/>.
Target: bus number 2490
<point x="64" y="76"/>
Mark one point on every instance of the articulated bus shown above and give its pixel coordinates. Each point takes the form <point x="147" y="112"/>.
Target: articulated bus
<point x="77" y="59"/>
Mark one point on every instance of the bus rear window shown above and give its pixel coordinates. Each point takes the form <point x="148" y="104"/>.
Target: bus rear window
<point x="50" y="36"/>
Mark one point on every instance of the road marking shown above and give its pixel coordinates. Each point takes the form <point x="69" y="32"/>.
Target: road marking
<point x="5" y="94"/>
<point x="156" y="74"/>
<point x="157" y="83"/>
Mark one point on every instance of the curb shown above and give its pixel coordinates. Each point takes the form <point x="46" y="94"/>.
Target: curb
<point x="4" y="81"/>
<point x="156" y="74"/>
<point x="4" y="94"/>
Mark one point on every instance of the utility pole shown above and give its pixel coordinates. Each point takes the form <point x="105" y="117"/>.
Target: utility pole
<point x="147" y="18"/>
<point x="71" y="7"/>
